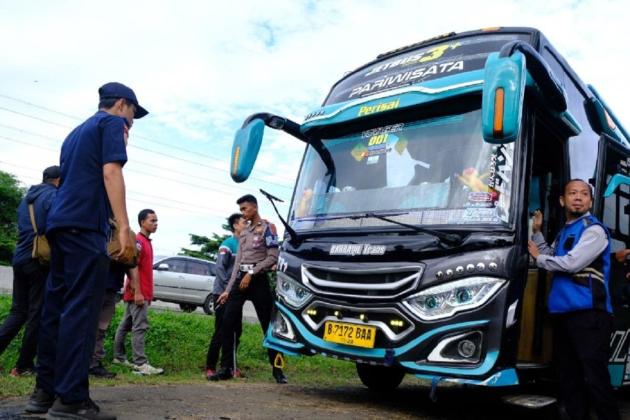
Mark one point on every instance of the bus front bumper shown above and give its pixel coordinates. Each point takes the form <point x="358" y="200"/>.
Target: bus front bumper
<point x="415" y="355"/>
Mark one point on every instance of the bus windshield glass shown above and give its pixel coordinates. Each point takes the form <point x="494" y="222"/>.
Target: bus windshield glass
<point x="436" y="171"/>
<point x="421" y="65"/>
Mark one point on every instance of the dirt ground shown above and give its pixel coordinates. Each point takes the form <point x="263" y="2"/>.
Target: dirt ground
<point x="244" y="400"/>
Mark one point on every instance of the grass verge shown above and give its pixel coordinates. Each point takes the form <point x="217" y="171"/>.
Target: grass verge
<point x="178" y="343"/>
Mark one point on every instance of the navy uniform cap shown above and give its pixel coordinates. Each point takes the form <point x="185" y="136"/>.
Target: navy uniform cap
<point x="115" y="90"/>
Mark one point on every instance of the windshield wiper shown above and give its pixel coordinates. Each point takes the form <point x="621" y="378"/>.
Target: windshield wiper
<point x="450" y="238"/>
<point x="295" y="239"/>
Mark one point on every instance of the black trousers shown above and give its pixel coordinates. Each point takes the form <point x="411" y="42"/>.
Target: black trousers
<point x="260" y="295"/>
<point x="581" y="353"/>
<point x="72" y="303"/>
<point x="28" y="294"/>
<point x="215" y="342"/>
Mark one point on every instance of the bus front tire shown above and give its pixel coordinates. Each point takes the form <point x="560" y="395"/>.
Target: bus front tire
<point x="380" y="378"/>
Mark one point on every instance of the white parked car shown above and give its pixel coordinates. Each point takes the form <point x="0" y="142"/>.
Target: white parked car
<point x="184" y="280"/>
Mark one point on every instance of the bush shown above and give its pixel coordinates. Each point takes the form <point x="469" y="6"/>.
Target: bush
<point x="178" y="342"/>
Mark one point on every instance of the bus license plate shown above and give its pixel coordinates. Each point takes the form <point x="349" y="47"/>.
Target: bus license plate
<point x="350" y="334"/>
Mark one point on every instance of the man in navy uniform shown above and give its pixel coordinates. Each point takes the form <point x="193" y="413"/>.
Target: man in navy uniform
<point x="579" y="302"/>
<point x="92" y="188"/>
<point x="257" y="254"/>
<point x="29" y="274"/>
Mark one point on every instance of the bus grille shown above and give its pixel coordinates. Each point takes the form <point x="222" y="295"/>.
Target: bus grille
<point x="373" y="283"/>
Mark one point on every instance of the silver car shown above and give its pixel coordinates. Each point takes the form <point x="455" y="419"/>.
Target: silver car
<point x="184" y="280"/>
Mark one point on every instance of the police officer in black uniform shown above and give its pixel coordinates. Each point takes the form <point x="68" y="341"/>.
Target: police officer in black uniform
<point x="257" y="254"/>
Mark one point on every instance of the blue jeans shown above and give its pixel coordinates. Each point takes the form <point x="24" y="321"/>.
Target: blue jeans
<point x="72" y="302"/>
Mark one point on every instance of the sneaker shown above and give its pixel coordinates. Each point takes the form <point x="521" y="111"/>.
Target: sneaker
<point x="16" y="372"/>
<point x="147" y="369"/>
<point x="83" y="410"/>
<point x="99" y="371"/>
<point x="222" y="374"/>
<point x="39" y="402"/>
<point x="238" y="373"/>
<point x="123" y="362"/>
<point x="209" y="373"/>
<point x="278" y="375"/>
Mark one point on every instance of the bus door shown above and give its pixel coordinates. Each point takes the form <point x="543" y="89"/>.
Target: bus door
<point x="613" y="208"/>
<point x="549" y="163"/>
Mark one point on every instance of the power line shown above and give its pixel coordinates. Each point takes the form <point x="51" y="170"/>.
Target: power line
<point x="198" y="206"/>
<point x="76" y="118"/>
<point x="198" y="186"/>
<point x="231" y="186"/>
<point x="201" y="211"/>
<point x="143" y="148"/>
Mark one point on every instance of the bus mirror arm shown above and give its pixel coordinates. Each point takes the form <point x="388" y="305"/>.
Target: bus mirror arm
<point x="540" y="71"/>
<point x="278" y="123"/>
<point x="290" y="127"/>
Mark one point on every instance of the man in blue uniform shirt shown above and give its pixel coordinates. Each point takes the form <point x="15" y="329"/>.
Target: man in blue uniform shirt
<point x="579" y="302"/>
<point x="92" y="188"/>
<point x="29" y="274"/>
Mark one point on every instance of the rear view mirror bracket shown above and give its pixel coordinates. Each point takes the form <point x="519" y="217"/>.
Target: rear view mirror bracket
<point x="506" y="75"/>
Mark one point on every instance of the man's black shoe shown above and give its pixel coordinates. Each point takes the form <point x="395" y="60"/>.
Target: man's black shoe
<point x="279" y="376"/>
<point x="221" y="375"/>
<point x="83" y="410"/>
<point x="100" y="372"/>
<point x="39" y="402"/>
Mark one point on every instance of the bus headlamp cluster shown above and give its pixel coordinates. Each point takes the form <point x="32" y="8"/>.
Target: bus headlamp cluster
<point x="291" y="292"/>
<point x="447" y="299"/>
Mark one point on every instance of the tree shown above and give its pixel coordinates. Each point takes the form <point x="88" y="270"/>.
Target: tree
<point x="10" y="196"/>
<point x="208" y="247"/>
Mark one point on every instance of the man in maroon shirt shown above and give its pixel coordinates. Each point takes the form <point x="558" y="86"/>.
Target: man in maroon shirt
<point x="137" y="297"/>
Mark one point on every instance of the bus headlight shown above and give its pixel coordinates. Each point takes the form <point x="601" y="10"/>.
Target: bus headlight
<point x="291" y="292"/>
<point x="449" y="298"/>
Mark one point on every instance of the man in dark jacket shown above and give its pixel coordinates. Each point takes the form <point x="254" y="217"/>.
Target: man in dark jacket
<point x="223" y="271"/>
<point x="29" y="276"/>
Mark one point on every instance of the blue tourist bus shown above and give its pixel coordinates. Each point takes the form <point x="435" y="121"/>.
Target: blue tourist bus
<point x="405" y="247"/>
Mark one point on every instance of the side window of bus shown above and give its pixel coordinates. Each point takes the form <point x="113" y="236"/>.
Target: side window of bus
<point x="548" y="171"/>
<point x="583" y="147"/>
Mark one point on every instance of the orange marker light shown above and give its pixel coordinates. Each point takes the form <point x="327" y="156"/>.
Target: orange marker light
<point x="498" y="112"/>
<point x="237" y="154"/>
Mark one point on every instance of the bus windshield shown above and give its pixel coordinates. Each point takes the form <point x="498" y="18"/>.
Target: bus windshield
<point x="436" y="171"/>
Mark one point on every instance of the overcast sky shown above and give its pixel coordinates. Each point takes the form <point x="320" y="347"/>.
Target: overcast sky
<point x="201" y="67"/>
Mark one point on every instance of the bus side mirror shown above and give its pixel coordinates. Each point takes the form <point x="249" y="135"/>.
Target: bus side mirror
<point x="502" y="97"/>
<point x="245" y="149"/>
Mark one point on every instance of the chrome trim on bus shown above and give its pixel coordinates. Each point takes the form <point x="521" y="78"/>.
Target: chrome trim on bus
<point x="316" y="284"/>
